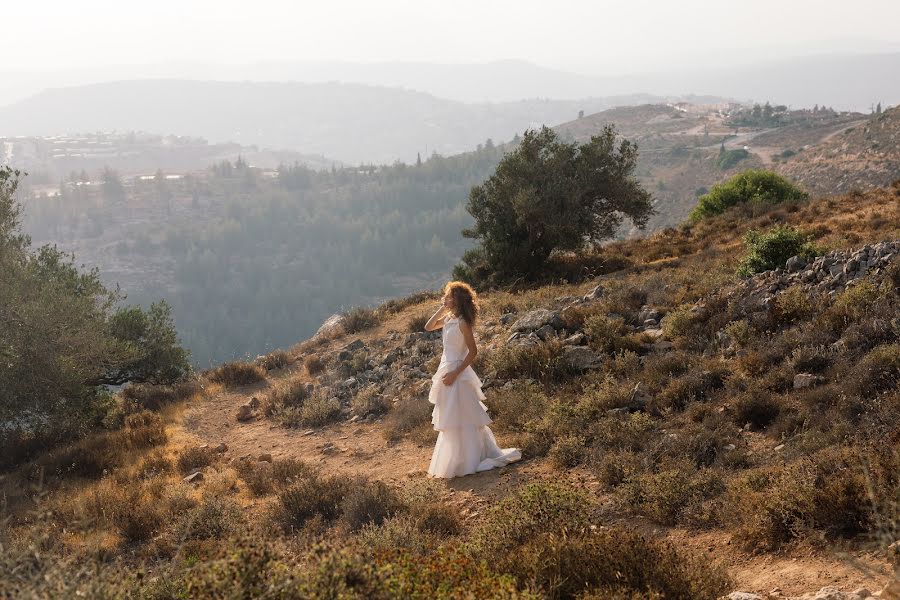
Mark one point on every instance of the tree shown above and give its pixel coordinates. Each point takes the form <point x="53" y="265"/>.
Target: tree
<point x="113" y="190"/>
<point x="549" y="196"/>
<point x="62" y="339"/>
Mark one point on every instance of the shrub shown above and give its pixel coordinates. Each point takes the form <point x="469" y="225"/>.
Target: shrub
<point x="368" y="401"/>
<point x="235" y="374"/>
<point x="615" y="467"/>
<point x="215" y="518"/>
<point x="879" y="370"/>
<point x="752" y="186"/>
<point x="693" y="386"/>
<point x="441" y="519"/>
<point x="277" y="359"/>
<point x="729" y="158"/>
<point x="359" y="319"/>
<point x="417" y="323"/>
<point x="195" y="458"/>
<point x="409" y="416"/>
<point x="609" y="335"/>
<point x="757" y="407"/>
<point x="793" y="305"/>
<point x="539" y="361"/>
<point x="144" y="429"/>
<point x="771" y="249"/>
<point x="154" y="397"/>
<point x="310" y="497"/>
<point x="314" y="365"/>
<point x="623" y="432"/>
<point x="616" y="564"/>
<point x="665" y="495"/>
<point x="155" y="463"/>
<point x="369" y="502"/>
<point x="286" y="394"/>
<point x="318" y="410"/>
<point x="567" y="451"/>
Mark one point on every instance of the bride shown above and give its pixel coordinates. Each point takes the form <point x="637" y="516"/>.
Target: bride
<point x="465" y="444"/>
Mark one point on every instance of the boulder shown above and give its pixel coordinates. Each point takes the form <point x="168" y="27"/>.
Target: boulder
<point x="535" y="319"/>
<point x="331" y="326"/>
<point x="795" y="264"/>
<point x="546" y="332"/>
<point x="581" y="358"/>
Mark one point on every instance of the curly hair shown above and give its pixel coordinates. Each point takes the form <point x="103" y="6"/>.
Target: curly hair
<point x="465" y="299"/>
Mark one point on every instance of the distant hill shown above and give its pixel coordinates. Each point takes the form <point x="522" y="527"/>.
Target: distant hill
<point x="350" y="122"/>
<point x="862" y="157"/>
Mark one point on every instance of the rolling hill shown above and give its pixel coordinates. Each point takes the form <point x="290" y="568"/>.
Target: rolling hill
<point x="351" y="122"/>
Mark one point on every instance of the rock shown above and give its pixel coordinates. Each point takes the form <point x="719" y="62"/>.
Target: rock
<point x="804" y="380"/>
<point x="222" y="448"/>
<point x="507" y="318"/>
<point x="516" y="335"/>
<point x="649" y="314"/>
<point x="581" y="358"/>
<point x="576" y="339"/>
<point x="349" y="382"/>
<point x="245" y="413"/>
<point x="331" y="326"/>
<point x="194" y="477"/>
<point x="663" y="346"/>
<point x="265" y="458"/>
<point x="546" y="332"/>
<point x="779" y="448"/>
<point x="355" y="345"/>
<point x="795" y="264"/>
<point x="595" y="294"/>
<point x="254" y="403"/>
<point x="535" y="319"/>
<point x="863" y="593"/>
<point x="743" y="596"/>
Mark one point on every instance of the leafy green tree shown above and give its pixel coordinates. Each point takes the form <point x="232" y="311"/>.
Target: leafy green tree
<point x="547" y="196"/>
<point x="752" y="186"/>
<point x="62" y="339"/>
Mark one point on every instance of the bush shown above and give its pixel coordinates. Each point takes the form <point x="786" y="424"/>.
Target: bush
<point x="666" y="495"/>
<point x="729" y="158"/>
<point x="417" y="323"/>
<point x="757" y="407"/>
<point x="318" y="410"/>
<point x="144" y="429"/>
<point x="752" y="186"/>
<point x="409" y="416"/>
<point x="567" y="451"/>
<point x="277" y="359"/>
<point x="284" y="395"/>
<point x="369" y="502"/>
<point x="235" y="374"/>
<point x="770" y="250"/>
<point x="215" y="518"/>
<point x="441" y="519"/>
<point x="368" y="401"/>
<point x="539" y="361"/>
<point x="314" y="365"/>
<point x="310" y="497"/>
<point x="359" y="319"/>
<point x="609" y="335"/>
<point x="195" y="458"/>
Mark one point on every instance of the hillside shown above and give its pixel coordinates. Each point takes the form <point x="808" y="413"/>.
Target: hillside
<point x="351" y="122"/>
<point x="680" y="147"/>
<point x="741" y="433"/>
<point x="862" y="157"/>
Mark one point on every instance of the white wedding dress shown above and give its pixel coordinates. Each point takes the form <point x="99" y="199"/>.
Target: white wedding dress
<point x="465" y="443"/>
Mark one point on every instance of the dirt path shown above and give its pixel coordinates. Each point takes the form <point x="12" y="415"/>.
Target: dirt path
<point x="360" y="449"/>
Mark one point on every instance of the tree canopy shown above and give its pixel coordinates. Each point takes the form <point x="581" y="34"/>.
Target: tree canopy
<point x="549" y="195"/>
<point x="63" y="335"/>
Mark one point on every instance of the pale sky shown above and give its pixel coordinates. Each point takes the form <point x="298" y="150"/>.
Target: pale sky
<point x="591" y="37"/>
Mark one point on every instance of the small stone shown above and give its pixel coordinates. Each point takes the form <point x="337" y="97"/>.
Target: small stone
<point x="222" y="448"/>
<point x="743" y="596"/>
<point x="595" y="294"/>
<point x="254" y="403"/>
<point x="245" y="413"/>
<point x="193" y="477"/>
<point x="779" y="448"/>
<point x="804" y="380"/>
<point x="265" y="457"/>
<point x="581" y="358"/>
<point x="576" y="339"/>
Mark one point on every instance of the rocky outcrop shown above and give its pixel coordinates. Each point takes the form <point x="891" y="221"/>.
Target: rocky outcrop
<point x="536" y="319"/>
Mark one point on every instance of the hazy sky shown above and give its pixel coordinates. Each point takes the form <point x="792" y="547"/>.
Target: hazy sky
<point x="587" y="36"/>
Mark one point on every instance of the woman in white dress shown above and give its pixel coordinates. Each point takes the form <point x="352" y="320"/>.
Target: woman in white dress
<point x="465" y="444"/>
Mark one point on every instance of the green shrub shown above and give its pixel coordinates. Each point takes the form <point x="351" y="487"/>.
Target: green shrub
<point x="539" y="361"/>
<point x="567" y="451"/>
<point x="665" y="495"/>
<point x="752" y="186"/>
<point x="770" y="250"/>
<point x="729" y="158"/>
<point x="439" y="518"/>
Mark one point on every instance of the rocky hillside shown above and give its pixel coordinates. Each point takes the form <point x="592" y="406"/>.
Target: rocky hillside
<point x="740" y="432"/>
<point x="863" y="157"/>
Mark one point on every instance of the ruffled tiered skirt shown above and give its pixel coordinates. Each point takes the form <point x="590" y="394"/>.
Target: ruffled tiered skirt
<point x="465" y="443"/>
